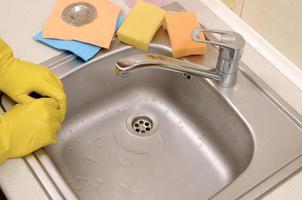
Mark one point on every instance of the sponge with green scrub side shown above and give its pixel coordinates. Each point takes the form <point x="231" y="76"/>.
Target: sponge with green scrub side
<point x="140" y="26"/>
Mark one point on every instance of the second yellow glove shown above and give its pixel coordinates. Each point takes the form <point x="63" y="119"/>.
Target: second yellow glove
<point x="19" y="78"/>
<point x="26" y="128"/>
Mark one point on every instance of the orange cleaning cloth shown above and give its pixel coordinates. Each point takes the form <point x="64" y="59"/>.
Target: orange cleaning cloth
<point x="180" y="26"/>
<point x="99" y="32"/>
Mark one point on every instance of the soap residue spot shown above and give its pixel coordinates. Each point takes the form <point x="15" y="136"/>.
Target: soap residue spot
<point x="78" y="140"/>
<point x="91" y="159"/>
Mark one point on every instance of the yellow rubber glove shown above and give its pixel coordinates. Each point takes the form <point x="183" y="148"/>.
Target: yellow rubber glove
<point x="28" y="127"/>
<point x="19" y="78"/>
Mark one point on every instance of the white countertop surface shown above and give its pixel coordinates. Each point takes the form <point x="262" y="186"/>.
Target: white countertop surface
<point x="20" y="20"/>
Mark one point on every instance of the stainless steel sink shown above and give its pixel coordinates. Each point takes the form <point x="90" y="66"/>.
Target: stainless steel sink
<point x="162" y="135"/>
<point x="154" y="135"/>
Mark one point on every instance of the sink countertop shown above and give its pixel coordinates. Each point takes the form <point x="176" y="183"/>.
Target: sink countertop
<point x="16" y="178"/>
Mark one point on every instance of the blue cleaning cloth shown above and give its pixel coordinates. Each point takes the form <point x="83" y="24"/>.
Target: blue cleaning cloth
<point x="83" y="50"/>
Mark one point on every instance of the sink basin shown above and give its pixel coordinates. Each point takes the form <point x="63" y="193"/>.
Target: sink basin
<point x="164" y="135"/>
<point x="152" y="135"/>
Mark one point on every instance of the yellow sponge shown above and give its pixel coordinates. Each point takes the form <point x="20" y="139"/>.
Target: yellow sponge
<point x="141" y="24"/>
<point x="180" y="26"/>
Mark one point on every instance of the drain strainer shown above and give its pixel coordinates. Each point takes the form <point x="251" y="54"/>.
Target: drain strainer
<point x="142" y="124"/>
<point x="79" y="13"/>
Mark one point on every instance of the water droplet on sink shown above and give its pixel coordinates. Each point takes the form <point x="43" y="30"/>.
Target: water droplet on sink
<point x="122" y="109"/>
<point x="91" y="159"/>
<point x="125" y="184"/>
<point x="97" y="186"/>
<point x="107" y="112"/>
<point x="100" y="144"/>
<point x="122" y="161"/>
<point x="161" y="142"/>
<point x="99" y="181"/>
<point x="180" y="124"/>
<point x="98" y="138"/>
<point x="85" y="178"/>
<point x="79" y="188"/>
<point x="70" y="148"/>
<point x="201" y="141"/>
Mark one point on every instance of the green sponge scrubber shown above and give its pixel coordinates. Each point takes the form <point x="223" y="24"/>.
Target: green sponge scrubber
<point x="140" y="26"/>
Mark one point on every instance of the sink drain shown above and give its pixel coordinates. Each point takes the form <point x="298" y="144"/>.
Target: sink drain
<point x="78" y="14"/>
<point x="142" y="125"/>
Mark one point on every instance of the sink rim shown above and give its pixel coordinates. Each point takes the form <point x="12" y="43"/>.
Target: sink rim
<point x="247" y="80"/>
<point x="261" y="89"/>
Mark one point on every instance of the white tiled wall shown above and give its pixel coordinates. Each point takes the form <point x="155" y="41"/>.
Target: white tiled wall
<point x="278" y="21"/>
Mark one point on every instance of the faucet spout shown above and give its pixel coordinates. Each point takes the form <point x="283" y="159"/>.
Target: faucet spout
<point x="125" y="65"/>
<point x="230" y="45"/>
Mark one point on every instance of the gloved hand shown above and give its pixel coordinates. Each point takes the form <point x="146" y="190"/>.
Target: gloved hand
<point x="26" y="128"/>
<point x="19" y="78"/>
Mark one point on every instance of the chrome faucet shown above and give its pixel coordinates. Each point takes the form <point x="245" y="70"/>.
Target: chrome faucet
<point x="230" y="50"/>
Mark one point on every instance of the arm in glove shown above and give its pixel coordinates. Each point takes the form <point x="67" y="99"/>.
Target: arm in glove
<point x="26" y="128"/>
<point x="19" y="78"/>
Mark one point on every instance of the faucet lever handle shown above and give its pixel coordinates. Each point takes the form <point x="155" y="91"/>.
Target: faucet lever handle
<point x="227" y="39"/>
